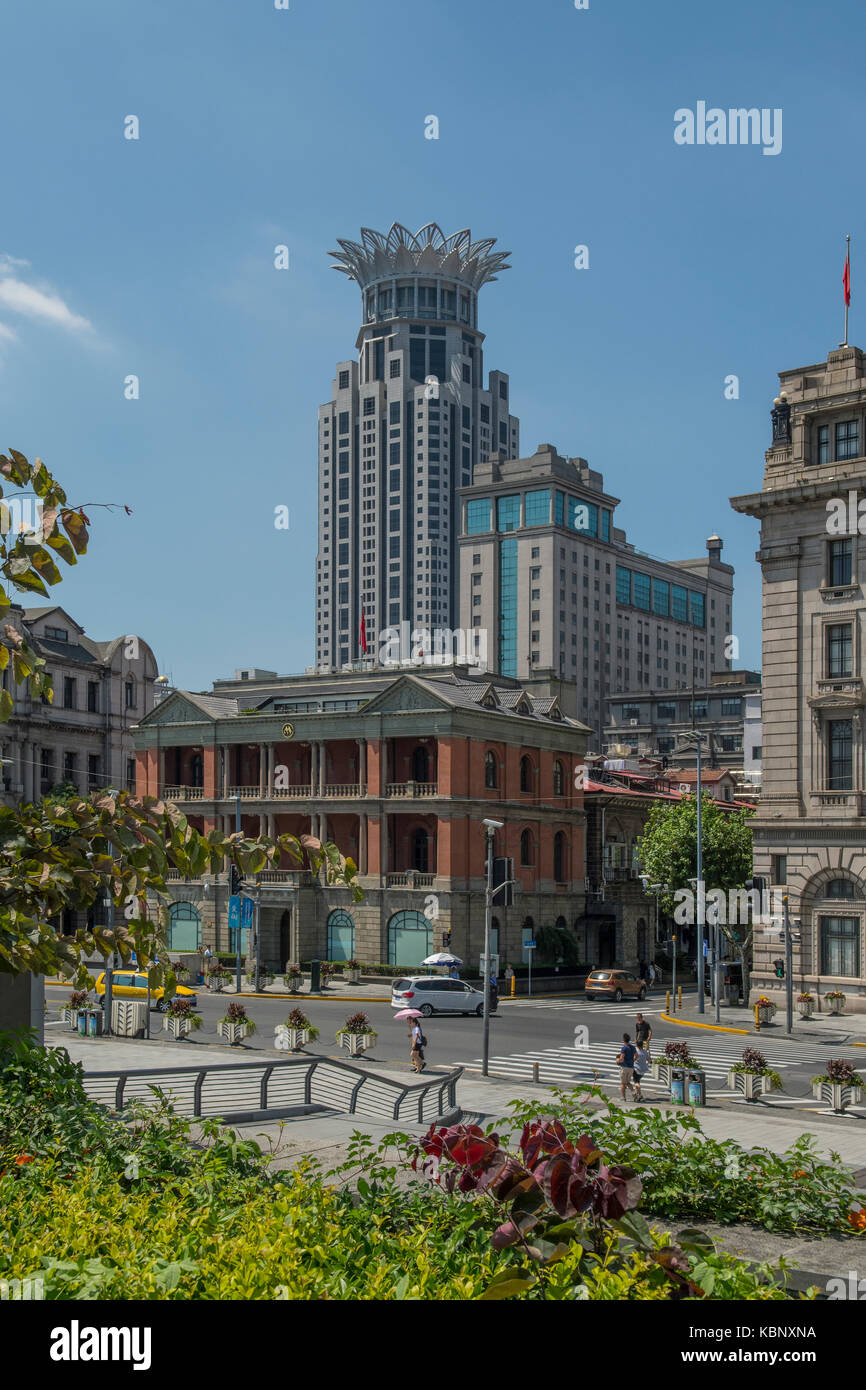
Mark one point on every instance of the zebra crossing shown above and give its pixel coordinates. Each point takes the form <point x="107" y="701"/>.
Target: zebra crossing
<point x="628" y="1007"/>
<point x="569" y="1066"/>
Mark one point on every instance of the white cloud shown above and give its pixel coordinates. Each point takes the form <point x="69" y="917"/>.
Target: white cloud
<point x="7" y="335"/>
<point x="32" y="301"/>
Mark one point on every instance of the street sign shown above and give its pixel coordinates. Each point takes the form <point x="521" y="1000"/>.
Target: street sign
<point x="234" y="911"/>
<point x="529" y="945"/>
<point x="246" y="912"/>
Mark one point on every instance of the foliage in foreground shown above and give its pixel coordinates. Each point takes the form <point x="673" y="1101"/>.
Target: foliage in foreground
<point x="101" y="1208"/>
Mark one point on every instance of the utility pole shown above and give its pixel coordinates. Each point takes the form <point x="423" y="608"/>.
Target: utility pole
<point x="789" y="971"/>
<point x="491" y="827"/>
<point x="238" y="927"/>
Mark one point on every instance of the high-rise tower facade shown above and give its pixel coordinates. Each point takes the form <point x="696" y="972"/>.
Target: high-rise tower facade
<point x="406" y="424"/>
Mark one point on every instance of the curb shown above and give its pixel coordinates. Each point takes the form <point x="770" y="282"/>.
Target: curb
<point x="712" y="1027"/>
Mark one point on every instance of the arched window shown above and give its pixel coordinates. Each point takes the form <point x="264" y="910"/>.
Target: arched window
<point x="420" y="850"/>
<point x="558" y="780"/>
<point x="490" y="770"/>
<point x="184" y="931"/>
<point x="420" y="765"/>
<point x="560" y="856"/>
<point x="561" y="924"/>
<point x="526" y="847"/>
<point x="410" y="939"/>
<point x="525" y="774"/>
<point x="840" y="888"/>
<point x="196" y="770"/>
<point x="341" y="935"/>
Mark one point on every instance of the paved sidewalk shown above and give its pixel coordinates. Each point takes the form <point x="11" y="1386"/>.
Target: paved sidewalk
<point x="847" y="1028"/>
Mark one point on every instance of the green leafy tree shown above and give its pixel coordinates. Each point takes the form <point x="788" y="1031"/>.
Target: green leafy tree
<point x="669" y="848"/>
<point x="68" y="850"/>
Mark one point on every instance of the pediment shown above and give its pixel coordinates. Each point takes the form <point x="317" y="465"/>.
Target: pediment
<point x="177" y="709"/>
<point x="405" y="694"/>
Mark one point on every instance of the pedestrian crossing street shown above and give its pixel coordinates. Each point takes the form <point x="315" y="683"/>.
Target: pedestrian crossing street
<point x="569" y="1066"/>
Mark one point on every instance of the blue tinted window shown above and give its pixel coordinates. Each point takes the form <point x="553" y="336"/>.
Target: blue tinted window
<point x="680" y="603"/>
<point x="477" y="516"/>
<point x="698" y="608"/>
<point x="538" y="507"/>
<point x="623" y="584"/>
<point x="559" y="514"/>
<point x="508" y="607"/>
<point x="661" y="598"/>
<point x="605" y="524"/>
<point x="507" y="513"/>
<point x="641" y="591"/>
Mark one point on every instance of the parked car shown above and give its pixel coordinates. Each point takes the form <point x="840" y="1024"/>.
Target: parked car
<point x="127" y="984"/>
<point x="436" y="994"/>
<point x="613" y="984"/>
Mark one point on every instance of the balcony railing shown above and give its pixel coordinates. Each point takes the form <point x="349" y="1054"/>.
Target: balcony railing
<point x="343" y="789"/>
<point x="851" y="802"/>
<point x="412" y="789"/>
<point x="409" y="878"/>
<point x="183" y="793"/>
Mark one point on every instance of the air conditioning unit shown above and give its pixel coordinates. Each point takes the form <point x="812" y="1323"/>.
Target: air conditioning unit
<point x="633" y="723"/>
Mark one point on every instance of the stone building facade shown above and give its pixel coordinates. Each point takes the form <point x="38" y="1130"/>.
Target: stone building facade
<point x="810" y="828"/>
<point x="101" y="689"/>
<point x="653" y="723"/>
<point x="399" y="771"/>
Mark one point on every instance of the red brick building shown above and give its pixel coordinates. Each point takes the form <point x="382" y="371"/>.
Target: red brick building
<point x="399" y="770"/>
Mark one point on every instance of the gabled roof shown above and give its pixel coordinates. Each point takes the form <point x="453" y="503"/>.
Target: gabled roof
<point x="184" y="707"/>
<point x="712" y="774"/>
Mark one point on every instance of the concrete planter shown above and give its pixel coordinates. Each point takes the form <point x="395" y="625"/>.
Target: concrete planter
<point x="69" y="1016"/>
<point x="293" y="985"/>
<point x="765" y="1015"/>
<point x="750" y="1084"/>
<point x="661" y="1071"/>
<point x="233" y="1033"/>
<point x="355" y="1043"/>
<point x="290" y="1039"/>
<point x="835" y="1006"/>
<point x="805" y="1010"/>
<point x="351" y="977"/>
<point x="177" y="1027"/>
<point x="836" y="1094"/>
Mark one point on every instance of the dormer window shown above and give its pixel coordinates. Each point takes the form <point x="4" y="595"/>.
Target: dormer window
<point x="57" y="634"/>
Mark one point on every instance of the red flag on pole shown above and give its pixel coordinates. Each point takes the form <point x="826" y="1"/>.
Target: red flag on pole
<point x="362" y="635"/>
<point x="846" y="278"/>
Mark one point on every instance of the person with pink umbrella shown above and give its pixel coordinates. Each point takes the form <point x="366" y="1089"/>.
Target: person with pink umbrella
<point x="417" y="1041"/>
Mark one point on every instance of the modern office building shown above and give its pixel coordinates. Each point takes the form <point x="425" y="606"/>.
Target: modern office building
<point x="654" y="723"/>
<point x="810" y="825"/>
<point x="559" y="590"/>
<point x="399" y="770"/>
<point x="406" y="425"/>
<point x="83" y="737"/>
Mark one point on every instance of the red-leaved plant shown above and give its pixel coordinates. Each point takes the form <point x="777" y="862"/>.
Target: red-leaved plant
<point x="556" y="1193"/>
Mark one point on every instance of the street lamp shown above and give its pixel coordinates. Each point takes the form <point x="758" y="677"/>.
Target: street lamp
<point x="696" y="740"/>
<point x="491" y="827"/>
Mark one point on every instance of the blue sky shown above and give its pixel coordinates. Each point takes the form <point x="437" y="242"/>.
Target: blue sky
<point x="260" y="127"/>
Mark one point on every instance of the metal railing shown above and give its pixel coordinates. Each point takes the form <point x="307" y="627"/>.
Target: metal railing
<point x="225" y="1089"/>
<point x="409" y="878"/>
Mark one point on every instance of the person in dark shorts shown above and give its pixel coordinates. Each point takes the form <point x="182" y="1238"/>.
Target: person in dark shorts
<point x="642" y="1032"/>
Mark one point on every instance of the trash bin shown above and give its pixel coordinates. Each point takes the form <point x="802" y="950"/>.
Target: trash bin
<point x="315" y="976"/>
<point x="82" y="1022"/>
<point x="697" y="1088"/>
<point x="90" y="1023"/>
<point x="678" y="1085"/>
<point x="733" y="993"/>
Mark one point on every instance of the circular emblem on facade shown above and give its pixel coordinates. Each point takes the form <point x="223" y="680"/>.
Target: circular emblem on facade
<point x="288" y="731"/>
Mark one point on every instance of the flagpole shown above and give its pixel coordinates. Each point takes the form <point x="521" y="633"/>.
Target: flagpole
<point x="848" y="295"/>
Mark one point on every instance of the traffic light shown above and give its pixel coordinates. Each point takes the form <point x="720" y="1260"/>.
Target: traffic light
<point x="446" y="941"/>
<point x="236" y="883"/>
<point x="758" y="885"/>
<point x="779" y="967"/>
<point x="503" y="870"/>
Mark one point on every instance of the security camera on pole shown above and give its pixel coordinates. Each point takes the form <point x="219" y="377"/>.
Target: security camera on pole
<point x="491" y="827"/>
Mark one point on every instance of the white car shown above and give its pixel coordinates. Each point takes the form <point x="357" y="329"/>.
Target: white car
<point x="436" y="994"/>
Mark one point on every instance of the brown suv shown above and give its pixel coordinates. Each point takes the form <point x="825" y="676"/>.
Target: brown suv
<point x="613" y="984"/>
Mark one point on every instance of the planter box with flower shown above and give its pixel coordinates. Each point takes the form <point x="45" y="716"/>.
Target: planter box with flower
<point x="293" y="978"/>
<point x="835" y="1000"/>
<point x="266" y="977"/>
<point x="218" y="979"/>
<point x="181" y="971"/>
<point x="69" y="1012"/>
<point x="840" y="1085"/>
<point x="351" y="972"/>
<point x="676" y="1055"/>
<point x="751" y="1077"/>
<point x="356" y="1035"/>
<point x="180" y="1019"/>
<point x="235" y="1026"/>
<point x="765" y="1008"/>
<point x="805" y="1004"/>
<point x="297" y="1030"/>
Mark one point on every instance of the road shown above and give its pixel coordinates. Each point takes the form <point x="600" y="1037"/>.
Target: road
<point x="572" y="1040"/>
